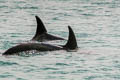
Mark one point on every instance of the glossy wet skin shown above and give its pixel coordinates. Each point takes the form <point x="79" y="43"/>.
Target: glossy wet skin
<point x="41" y="32"/>
<point x="46" y="37"/>
<point x="71" y="45"/>
<point x="31" y="46"/>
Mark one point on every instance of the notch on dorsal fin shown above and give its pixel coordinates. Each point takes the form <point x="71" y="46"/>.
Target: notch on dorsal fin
<point x="40" y="27"/>
<point x="71" y="43"/>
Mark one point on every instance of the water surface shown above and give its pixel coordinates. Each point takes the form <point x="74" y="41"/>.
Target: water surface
<point x="96" y="26"/>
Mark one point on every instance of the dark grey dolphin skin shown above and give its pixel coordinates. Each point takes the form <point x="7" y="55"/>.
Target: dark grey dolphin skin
<point x="41" y="33"/>
<point x="70" y="45"/>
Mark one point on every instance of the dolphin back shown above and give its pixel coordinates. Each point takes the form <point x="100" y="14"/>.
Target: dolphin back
<point x="31" y="46"/>
<point x="41" y="32"/>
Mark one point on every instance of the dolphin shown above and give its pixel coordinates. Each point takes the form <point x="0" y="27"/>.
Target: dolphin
<point x="41" y="33"/>
<point x="70" y="45"/>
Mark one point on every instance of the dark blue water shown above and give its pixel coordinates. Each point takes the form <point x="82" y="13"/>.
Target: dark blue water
<point x="96" y="24"/>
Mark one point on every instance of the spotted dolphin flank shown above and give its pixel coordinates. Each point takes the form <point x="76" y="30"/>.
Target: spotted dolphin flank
<point x="41" y="33"/>
<point x="70" y="45"/>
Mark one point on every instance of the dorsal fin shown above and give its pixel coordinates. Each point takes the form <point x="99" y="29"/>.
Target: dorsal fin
<point x="71" y="43"/>
<point x="40" y="27"/>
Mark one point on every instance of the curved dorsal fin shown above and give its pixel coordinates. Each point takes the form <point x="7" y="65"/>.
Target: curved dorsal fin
<point x="40" y="27"/>
<point x="71" y="43"/>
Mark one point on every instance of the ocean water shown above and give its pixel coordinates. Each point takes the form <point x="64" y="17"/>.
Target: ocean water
<point x="96" y="24"/>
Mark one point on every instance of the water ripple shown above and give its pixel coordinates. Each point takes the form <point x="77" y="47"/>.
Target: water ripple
<point x="3" y="63"/>
<point x="96" y="26"/>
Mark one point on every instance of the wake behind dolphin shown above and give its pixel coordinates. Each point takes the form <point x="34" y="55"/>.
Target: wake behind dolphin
<point x="70" y="45"/>
<point x="41" y="32"/>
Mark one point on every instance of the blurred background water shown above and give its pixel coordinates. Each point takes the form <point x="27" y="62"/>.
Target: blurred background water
<point x="96" y="24"/>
